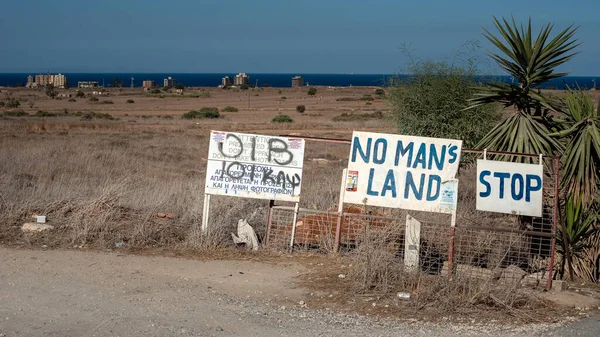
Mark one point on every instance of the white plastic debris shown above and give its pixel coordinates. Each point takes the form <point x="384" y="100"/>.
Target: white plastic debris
<point x="246" y="235"/>
<point x="342" y="276"/>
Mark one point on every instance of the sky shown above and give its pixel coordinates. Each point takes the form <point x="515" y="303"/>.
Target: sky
<point x="268" y="36"/>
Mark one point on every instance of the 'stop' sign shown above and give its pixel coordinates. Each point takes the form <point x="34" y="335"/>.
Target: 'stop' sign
<point x="401" y="171"/>
<point x="254" y="166"/>
<point x="512" y="188"/>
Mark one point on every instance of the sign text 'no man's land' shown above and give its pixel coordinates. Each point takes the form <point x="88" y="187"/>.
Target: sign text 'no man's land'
<point x="254" y="166"/>
<point x="413" y="173"/>
<point x="512" y="188"/>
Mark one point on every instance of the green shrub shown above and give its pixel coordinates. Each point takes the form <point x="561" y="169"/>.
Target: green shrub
<point x="312" y="91"/>
<point x="94" y="99"/>
<point x="12" y="103"/>
<point x="107" y="102"/>
<point x="72" y="100"/>
<point x="15" y="113"/>
<point x="347" y="117"/>
<point x="130" y="101"/>
<point x="300" y="108"/>
<point x="202" y="113"/>
<point x="1" y="104"/>
<point x="282" y="119"/>
<point x="229" y="108"/>
<point x="41" y="113"/>
<point x="146" y="116"/>
<point x="379" y="92"/>
<point x="346" y="99"/>
<point x="92" y="115"/>
<point x="80" y="94"/>
<point x="167" y="117"/>
<point x="432" y="101"/>
<point x="367" y="97"/>
<point x="155" y="91"/>
<point x="283" y="97"/>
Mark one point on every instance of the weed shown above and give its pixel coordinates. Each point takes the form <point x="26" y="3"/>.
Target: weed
<point x="72" y="100"/>
<point x="202" y="113"/>
<point x="15" y="113"/>
<point x="346" y="99"/>
<point x="346" y="117"/>
<point x="282" y="119"/>
<point x="312" y="91"/>
<point x="300" y="108"/>
<point x="41" y="113"/>
<point x="107" y="102"/>
<point x="130" y="101"/>
<point x="229" y="108"/>
<point x="94" y="99"/>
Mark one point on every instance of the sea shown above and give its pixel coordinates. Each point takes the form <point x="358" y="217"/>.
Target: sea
<point x="265" y="80"/>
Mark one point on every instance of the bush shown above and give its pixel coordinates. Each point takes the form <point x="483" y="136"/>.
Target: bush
<point x="300" y="108"/>
<point x="12" y="103"/>
<point x="155" y="91"/>
<point x="380" y="92"/>
<point x="15" y="113"/>
<point x="130" y="101"/>
<point x="107" y="102"/>
<point x="167" y="117"/>
<point x="283" y="97"/>
<point x="229" y="109"/>
<point x="94" y="99"/>
<point x="72" y="100"/>
<point x="346" y="99"/>
<point x="41" y="113"/>
<point x="346" y="117"/>
<point x="202" y="113"/>
<point x="312" y="91"/>
<point x="432" y="102"/>
<point x="367" y="97"/>
<point x="244" y="86"/>
<point x="80" y="94"/>
<point x="1" y="104"/>
<point x="283" y="119"/>
<point x="92" y="115"/>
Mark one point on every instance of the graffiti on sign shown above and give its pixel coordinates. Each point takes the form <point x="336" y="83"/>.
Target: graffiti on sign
<point x="512" y="188"/>
<point x="254" y="166"/>
<point x="401" y="171"/>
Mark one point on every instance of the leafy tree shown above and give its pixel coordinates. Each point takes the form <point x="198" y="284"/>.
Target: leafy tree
<point x="116" y="82"/>
<point x="312" y="91"/>
<point x="49" y="90"/>
<point x="431" y="101"/>
<point x="180" y="86"/>
<point x="531" y="62"/>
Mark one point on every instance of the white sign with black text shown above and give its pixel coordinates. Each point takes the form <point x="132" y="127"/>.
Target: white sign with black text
<point x="254" y="166"/>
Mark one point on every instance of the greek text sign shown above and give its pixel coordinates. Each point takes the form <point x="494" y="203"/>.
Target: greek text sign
<point x="402" y="171"/>
<point x="512" y="188"/>
<point x="254" y="166"/>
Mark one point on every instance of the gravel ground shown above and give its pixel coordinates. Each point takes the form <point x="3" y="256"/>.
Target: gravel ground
<point x="72" y="293"/>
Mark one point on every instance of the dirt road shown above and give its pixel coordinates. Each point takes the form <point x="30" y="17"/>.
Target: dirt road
<point x="75" y="293"/>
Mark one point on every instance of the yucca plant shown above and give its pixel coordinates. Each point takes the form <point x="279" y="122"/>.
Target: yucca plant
<point x="531" y="62"/>
<point x="579" y="225"/>
<point x="581" y="158"/>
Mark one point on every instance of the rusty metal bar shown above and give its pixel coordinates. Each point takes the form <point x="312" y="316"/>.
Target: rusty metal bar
<point x="269" y="222"/>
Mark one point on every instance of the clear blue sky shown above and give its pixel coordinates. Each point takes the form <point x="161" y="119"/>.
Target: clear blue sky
<point x="281" y="36"/>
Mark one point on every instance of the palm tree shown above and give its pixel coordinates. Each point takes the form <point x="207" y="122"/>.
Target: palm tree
<point x="531" y="63"/>
<point x="581" y="158"/>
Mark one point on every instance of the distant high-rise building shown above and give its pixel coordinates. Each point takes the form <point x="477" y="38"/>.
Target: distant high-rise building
<point x="169" y="82"/>
<point x="147" y="85"/>
<point x="297" y="81"/>
<point x="226" y="81"/>
<point x="30" y="81"/>
<point x="59" y="81"/>
<point x="241" y="79"/>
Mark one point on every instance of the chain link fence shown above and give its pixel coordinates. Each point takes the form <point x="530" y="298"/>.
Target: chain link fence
<point x="491" y="246"/>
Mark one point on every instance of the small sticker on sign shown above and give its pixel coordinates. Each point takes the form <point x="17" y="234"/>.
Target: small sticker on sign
<point x="352" y="181"/>
<point x="295" y="143"/>
<point x="449" y="195"/>
<point x="219" y="137"/>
